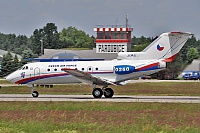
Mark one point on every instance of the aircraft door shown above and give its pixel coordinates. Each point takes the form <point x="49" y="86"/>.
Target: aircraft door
<point x="37" y="71"/>
<point x="31" y="72"/>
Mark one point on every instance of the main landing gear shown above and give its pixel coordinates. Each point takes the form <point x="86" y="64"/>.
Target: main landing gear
<point x="34" y="93"/>
<point x="107" y="92"/>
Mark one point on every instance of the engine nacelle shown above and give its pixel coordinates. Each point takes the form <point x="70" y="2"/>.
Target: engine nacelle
<point x="162" y="64"/>
<point x="123" y="69"/>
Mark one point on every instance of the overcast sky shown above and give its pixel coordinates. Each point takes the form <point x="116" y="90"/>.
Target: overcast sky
<point x="147" y="17"/>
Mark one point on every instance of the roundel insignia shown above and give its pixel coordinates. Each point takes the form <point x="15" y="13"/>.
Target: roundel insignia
<point x="160" y="47"/>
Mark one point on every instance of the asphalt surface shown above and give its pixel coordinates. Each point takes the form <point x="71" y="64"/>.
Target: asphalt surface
<point x="116" y="98"/>
<point x="131" y="81"/>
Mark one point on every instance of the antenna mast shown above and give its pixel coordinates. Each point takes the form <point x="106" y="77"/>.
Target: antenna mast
<point x="126" y="20"/>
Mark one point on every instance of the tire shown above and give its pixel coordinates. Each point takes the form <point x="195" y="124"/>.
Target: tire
<point x="108" y="93"/>
<point x="35" y="94"/>
<point x="97" y="93"/>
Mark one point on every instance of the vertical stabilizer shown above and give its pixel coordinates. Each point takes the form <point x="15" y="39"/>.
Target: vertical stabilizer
<point x="166" y="46"/>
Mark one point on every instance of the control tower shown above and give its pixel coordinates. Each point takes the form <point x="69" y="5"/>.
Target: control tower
<point x="113" y="38"/>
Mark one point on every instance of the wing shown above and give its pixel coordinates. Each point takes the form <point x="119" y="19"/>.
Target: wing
<point x="87" y="77"/>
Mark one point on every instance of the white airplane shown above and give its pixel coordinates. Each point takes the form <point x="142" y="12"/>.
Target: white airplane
<point x="127" y="66"/>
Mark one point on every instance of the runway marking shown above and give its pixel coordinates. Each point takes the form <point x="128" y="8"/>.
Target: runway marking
<point x="86" y="98"/>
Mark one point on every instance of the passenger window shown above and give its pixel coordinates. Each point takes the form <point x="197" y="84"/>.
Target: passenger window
<point x="48" y="70"/>
<point x="82" y="69"/>
<point x="96" y="68"/>
<point x="55" y="69"/>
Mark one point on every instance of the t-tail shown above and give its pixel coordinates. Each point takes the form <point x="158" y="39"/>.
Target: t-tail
<point x="165" y="48"/>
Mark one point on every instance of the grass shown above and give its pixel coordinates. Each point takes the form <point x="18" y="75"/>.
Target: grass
<point x="2" y="81"/>
<point x="61" y="117"/>
<point x="161" y="88"/>
<point x="99" y="117"/>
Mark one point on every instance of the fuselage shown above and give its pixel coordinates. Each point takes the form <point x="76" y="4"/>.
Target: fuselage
<point x="51" y="72"/>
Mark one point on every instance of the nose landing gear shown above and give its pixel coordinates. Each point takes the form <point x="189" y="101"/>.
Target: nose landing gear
<point x="34" y="93"/>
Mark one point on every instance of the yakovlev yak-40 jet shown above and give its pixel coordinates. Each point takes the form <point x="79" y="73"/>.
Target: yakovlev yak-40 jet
<point x="127" y="66"/>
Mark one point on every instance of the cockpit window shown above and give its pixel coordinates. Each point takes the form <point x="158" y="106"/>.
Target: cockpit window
<point x="24" y="68"/>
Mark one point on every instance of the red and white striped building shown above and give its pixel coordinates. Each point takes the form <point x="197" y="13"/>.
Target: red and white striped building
<point x="113" y="39"/>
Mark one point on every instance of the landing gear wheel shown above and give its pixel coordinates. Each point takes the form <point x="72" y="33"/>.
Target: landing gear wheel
<point x="108" y="93"/>
<point x="35" y="94"/>
<point x="97" y="93"/>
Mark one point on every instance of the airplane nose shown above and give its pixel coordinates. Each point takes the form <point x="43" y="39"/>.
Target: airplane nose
<point x="13" y="77"/>
<point x="9" y="77"/>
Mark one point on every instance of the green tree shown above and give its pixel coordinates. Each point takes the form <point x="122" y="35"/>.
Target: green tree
<point x="36" y="38"/>
<point x="6" y="64"/>
<point x="51" y="36"/>
<point x="16" y="63"/>
<point x="74" y="38"/>
<point x="139" y="44"/>
<point x="66" y="37"/>
<point x="13" y="43"/>
<point x="192" y="54"/>
<point x="139" y="48"/>
<point x="27" y="54"/>
<point x="21" y="43"/>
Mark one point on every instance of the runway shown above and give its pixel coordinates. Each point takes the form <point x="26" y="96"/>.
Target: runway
<point x="87" y="98"/>
<point x="131" y="82"/>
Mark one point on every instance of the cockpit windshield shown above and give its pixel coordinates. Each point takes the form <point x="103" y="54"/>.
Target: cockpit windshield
<point x="24" y="68"/>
